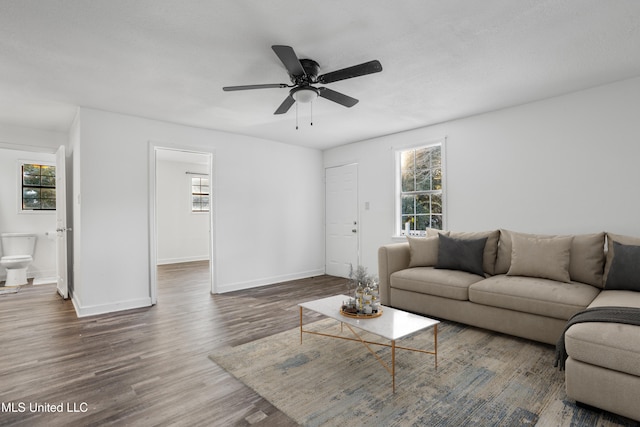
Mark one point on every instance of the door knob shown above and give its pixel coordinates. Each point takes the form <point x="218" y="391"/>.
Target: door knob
<point x="354" y="230"/>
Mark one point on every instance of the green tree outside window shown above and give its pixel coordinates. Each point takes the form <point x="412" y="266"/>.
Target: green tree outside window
<point x="421" y="188"/>
<point x="38" y="187"/>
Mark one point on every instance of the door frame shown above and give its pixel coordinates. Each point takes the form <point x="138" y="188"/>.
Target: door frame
<point x="153" y="214"/>
<point x="62" y="226"/>
<point x="53" y="150"/>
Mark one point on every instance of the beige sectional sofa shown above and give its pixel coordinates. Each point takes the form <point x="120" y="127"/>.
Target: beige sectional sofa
<point x="530" y="286"/>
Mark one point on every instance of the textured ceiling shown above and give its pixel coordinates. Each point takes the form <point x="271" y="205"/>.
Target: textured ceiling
<point x="168" y="60"/>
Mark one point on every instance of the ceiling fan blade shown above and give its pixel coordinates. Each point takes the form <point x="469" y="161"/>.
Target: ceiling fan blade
<point x="246" y="87"/>
<point x="350" y="72"/>
<point x="338" y="97"/>
<point x="289" y="59"/>
<point x="286" y="104"/>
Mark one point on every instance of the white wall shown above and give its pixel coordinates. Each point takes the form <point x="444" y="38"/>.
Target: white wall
<point x="269" y="220"/>
<point x="563" y="165"/>
<point x="31" y="139"/>
<point x="182" y="235"/>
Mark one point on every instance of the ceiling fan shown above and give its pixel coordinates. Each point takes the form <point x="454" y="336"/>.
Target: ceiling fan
<point x="304" y="73"/>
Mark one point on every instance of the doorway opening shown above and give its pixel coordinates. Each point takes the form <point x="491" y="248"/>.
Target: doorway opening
<point x="25" y="211"/>
<point x="181" y="215"/>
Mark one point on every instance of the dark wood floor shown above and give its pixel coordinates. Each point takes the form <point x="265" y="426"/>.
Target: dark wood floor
<point x="147" y="366"/>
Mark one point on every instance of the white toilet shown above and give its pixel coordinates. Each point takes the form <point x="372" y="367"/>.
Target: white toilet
<point x="17" y="255"/>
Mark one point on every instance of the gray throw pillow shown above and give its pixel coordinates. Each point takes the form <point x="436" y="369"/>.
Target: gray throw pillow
<point x="624" y="273"/>
<point x="461" y="254"/>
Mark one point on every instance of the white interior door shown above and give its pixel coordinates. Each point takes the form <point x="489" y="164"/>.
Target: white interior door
<point x="61" y="224"/>
<point x="341" y="200"/>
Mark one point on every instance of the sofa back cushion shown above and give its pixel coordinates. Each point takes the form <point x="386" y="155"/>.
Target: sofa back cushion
<point x="586" y="262"/>
<point x="587" y="259"/>
<point x="423" y="251"/>
<point x="544" y="257"/>
<point x="435" y="232"/>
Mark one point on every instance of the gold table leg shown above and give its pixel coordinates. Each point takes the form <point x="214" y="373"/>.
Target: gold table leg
<point x="435" y="344"/>
<point x="391" y="369"/>
<point x="393" y="364"/>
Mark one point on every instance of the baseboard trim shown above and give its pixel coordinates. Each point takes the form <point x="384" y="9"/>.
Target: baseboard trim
<point x="44" y="280"/>
<point x="85" y="311"/>
<point x="238" y="286"/>
<point x="38" y="276"/>
<point x="181" y="260"/>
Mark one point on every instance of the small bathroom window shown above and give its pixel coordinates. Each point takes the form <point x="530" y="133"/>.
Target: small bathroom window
<point x="38" y="187"/>
<point x="200" y="194"/>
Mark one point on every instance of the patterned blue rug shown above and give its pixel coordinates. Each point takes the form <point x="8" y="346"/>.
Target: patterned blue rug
<point x="482" y="379"/>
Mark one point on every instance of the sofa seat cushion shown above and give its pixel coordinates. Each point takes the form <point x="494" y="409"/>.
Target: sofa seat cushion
<point x="452" y="284"/>
<point x="610" y="345"/>
<point x="543" y="297"/>
<point x="616" y="299"/>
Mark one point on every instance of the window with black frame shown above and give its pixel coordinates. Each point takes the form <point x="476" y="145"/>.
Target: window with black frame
<point x="38" y="187"/>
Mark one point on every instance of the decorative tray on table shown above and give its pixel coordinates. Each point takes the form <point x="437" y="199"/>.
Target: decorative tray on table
<point x="351" y="312"/>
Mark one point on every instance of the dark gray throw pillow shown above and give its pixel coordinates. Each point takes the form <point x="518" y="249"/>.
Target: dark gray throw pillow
<point x="624" y="273"/>
<point x="461" y="254"/>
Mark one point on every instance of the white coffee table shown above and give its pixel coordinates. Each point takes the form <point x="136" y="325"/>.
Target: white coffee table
<point x="393" y="325"/>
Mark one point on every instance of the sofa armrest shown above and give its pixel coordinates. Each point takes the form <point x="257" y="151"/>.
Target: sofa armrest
<point x="391" y="258"/>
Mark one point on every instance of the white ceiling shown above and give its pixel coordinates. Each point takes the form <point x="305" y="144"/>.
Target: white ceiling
<point x="168" y="60"/>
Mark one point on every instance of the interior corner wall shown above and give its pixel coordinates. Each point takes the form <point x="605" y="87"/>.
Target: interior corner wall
<point x="183" y="235"/>
<point x="563" y="165"/>
<point x="269" y="209"/>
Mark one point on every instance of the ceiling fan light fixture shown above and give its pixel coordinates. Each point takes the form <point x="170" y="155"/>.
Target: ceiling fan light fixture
<point x="303" y="73"/>
<point x="305" y="94"/>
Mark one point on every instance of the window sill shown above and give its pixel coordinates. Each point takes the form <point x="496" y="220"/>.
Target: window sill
<point x="37" y="212"/>
<point x="412" y="234"/>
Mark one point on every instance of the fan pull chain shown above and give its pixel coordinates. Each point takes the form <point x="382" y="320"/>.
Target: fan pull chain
<point x="311" y="120"/>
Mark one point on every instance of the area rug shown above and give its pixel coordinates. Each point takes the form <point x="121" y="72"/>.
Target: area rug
<point x="482" y="379"/>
